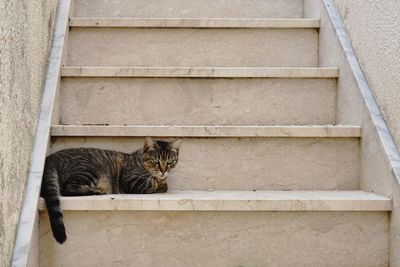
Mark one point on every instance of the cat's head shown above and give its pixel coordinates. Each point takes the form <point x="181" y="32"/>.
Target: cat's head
<point x="159" y="158"/>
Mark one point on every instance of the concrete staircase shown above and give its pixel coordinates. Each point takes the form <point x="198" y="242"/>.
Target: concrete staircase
<point x="267" y="175"/>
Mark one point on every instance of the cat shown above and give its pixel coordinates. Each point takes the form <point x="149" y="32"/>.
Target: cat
<point x="92" y="171"/>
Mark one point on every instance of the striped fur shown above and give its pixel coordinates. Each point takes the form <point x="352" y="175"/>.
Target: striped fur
<point x="91" y="171"/>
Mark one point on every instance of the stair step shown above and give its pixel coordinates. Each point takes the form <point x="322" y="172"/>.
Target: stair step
<point x="268" y="158"/>
<point x="193" y="23"/>
<point x="199" y="72"/>
<point x="221" y="229"/>
<point x="193" y="101"/>
<point x="232" y="201"/>
<point x="182" y="47"/>
<point x="206" y="131"/>
<point x="188" y="8"/>
<point x="198" y="96"/>
<point x="214" y="238"/>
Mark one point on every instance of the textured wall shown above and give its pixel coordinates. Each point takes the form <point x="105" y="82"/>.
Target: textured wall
<point x="374" y="28"/>
<point x="25" y="35"/>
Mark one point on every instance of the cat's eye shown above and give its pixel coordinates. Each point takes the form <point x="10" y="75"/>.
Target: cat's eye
<point x="170" y="162"/>
<point x="156" y="161"/>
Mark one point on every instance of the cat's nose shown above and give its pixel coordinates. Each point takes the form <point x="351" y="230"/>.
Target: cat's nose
<point x="163" y="169"/>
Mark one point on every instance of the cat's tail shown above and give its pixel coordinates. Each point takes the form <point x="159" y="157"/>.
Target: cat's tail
<point x="51" y="194"/>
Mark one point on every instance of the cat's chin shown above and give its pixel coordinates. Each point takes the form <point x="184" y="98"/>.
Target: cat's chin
<point x="161" y="178"/>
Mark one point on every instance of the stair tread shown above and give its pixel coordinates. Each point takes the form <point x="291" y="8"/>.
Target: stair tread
<point x="232" y="201"/>
<point x="198" y="72"/>
<point x="206" y="131"/>
<point x="195" y="22"/>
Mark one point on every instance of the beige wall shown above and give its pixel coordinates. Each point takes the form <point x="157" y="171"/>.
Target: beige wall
<point x="25" y="33"/>
<point x="374" y="26"/>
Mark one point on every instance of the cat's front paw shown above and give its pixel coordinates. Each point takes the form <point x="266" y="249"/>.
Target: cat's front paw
<point x="162" y="188"/>
<point x="100" y="191"/>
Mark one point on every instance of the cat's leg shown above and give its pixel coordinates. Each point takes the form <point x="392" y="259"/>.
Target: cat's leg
<point x="162" y="188"/>
<point x="80" y="190"/>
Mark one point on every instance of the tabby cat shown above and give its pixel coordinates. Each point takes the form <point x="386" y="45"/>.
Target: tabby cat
<point x="91" y="171"/>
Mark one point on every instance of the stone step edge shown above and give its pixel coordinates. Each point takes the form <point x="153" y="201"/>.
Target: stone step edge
<point x="195" y="23"/>
<point x="199" y="72"/>
<point x="231" y="201"/>
<point x="205" y="131"/>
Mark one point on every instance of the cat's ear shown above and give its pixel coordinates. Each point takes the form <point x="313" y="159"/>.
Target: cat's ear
<point x="176" y="144"/>
<point x="148" y="144"/>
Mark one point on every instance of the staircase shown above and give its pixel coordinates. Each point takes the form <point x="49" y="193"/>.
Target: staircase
<point x="267" y="174"/>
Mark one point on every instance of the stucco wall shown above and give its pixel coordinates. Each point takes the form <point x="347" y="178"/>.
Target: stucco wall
<point x="374" y="28"/>
<point x="25" y="37"/>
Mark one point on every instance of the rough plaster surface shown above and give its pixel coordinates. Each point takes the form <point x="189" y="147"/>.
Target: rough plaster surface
<point x="374" y="30"/>
<point x="25" y="34"/>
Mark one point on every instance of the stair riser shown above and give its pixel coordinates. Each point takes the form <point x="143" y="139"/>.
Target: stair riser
<point x="141" y="47"/>
<point x="171" y="101"/>
<point x="189" y="8"/>
<point x="218" y="239"/>
<point x="250" y="163"/>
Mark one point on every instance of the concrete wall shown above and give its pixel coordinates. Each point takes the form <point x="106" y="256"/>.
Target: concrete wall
<point x="374" y="26"/>
<point x="25" y="37"/>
